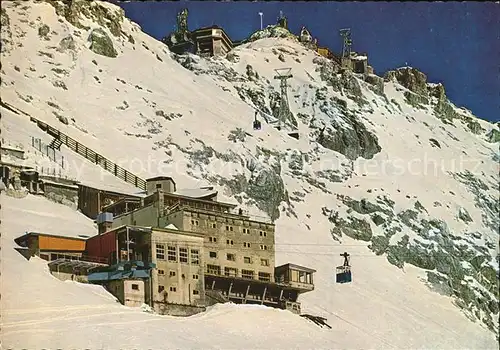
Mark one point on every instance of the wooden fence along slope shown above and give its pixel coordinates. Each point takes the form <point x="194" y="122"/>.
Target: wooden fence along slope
<point x="83" y="150"/>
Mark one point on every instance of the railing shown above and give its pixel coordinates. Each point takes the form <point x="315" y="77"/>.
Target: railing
<point x="46" y="150"/>
<point x="93" y="156"/>
<point x="243" y="277"/>
<point x="83" y="150"/>
<point x="172" y="208"/>
<point x="86" y="258"/>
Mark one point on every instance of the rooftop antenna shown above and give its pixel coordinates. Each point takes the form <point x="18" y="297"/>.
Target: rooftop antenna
<point x="261" y="14"/>
<point x="346" y="48"/>
<point x="283" y="74"/>
<point x="182" y="21"/>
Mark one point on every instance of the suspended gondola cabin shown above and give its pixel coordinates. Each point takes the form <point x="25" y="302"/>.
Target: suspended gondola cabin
<point x="344" y="271"/>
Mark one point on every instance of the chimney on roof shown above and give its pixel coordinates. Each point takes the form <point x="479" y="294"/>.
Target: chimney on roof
<point x="104" y="222"/>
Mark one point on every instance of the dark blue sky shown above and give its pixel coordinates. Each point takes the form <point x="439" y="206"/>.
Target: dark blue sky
<point x="455" y="43"/>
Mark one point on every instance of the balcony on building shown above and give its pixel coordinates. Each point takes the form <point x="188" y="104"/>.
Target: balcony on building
<point x="295" y="276"/>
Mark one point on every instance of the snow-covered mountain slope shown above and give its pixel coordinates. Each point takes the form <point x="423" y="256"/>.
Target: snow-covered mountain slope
<point x="389" y="171"/>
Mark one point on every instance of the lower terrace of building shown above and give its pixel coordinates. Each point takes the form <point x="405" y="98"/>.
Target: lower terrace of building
<point x="251" y="291"/>
<point x="289" y="275"/>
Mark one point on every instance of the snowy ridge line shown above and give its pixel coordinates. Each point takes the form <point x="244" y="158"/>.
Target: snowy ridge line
<point x="83" y="150"/>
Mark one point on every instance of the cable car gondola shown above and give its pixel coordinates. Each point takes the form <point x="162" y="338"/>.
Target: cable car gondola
<point x="344" y="271"/>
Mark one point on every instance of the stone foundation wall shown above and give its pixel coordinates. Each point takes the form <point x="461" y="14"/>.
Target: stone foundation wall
<point x="177" y="309"/>
<point x="61" y="194"/>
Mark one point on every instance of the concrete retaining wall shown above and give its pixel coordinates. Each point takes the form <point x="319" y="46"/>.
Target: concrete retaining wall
<point x="177" y="309"/>
<point x="60" y="193"/>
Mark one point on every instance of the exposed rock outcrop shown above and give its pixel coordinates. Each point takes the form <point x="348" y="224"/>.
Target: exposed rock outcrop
<point x="67" y="43"/>
<point x="442" y="106"/>
<point x="272" y="31"/>
<point x="353" y="227"/>
<point x="377" y="82"/>
<point x="493" y="136"/>
<point x="265" y="188"/>
<point x="352" y="142"/>
<point x="43" y="31"/>
<point x="351" y="87"/>
<point x="464" y="215"/>
<point x="72" y="11"/>
<point x="6" y="34"/>
<point x="410" y="78"/>
<point x="101" y="43"/>
<point x="329" y="72"/>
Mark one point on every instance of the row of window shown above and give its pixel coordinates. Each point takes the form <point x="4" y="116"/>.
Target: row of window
<point x="183" y="254"/>
<point x="228" y="228"/>
<point x="174" y="289"/>
<point x="231" y="242"/>
<point x="195" y="255"/>
<point x="246" y="259"/>
<point x="173" y="274"/>
<point x="233" y="272"/>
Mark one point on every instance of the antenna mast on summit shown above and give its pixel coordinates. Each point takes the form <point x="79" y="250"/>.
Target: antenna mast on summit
<point x="346" y="48"/>
<point x="283" y="74"/>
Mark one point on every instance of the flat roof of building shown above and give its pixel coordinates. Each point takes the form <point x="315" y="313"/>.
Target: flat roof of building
<point x="196" y="192"/>
<point x="160" y="178"/>
<point x="228" y="205"/>
<point x="60" y="184"/>
<point x="102" y="188"/>
<point x="294" y="267"/>
<point x="266" y="221"/>
<point x="80" y="237"/>
<point x="214" y="26"/>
